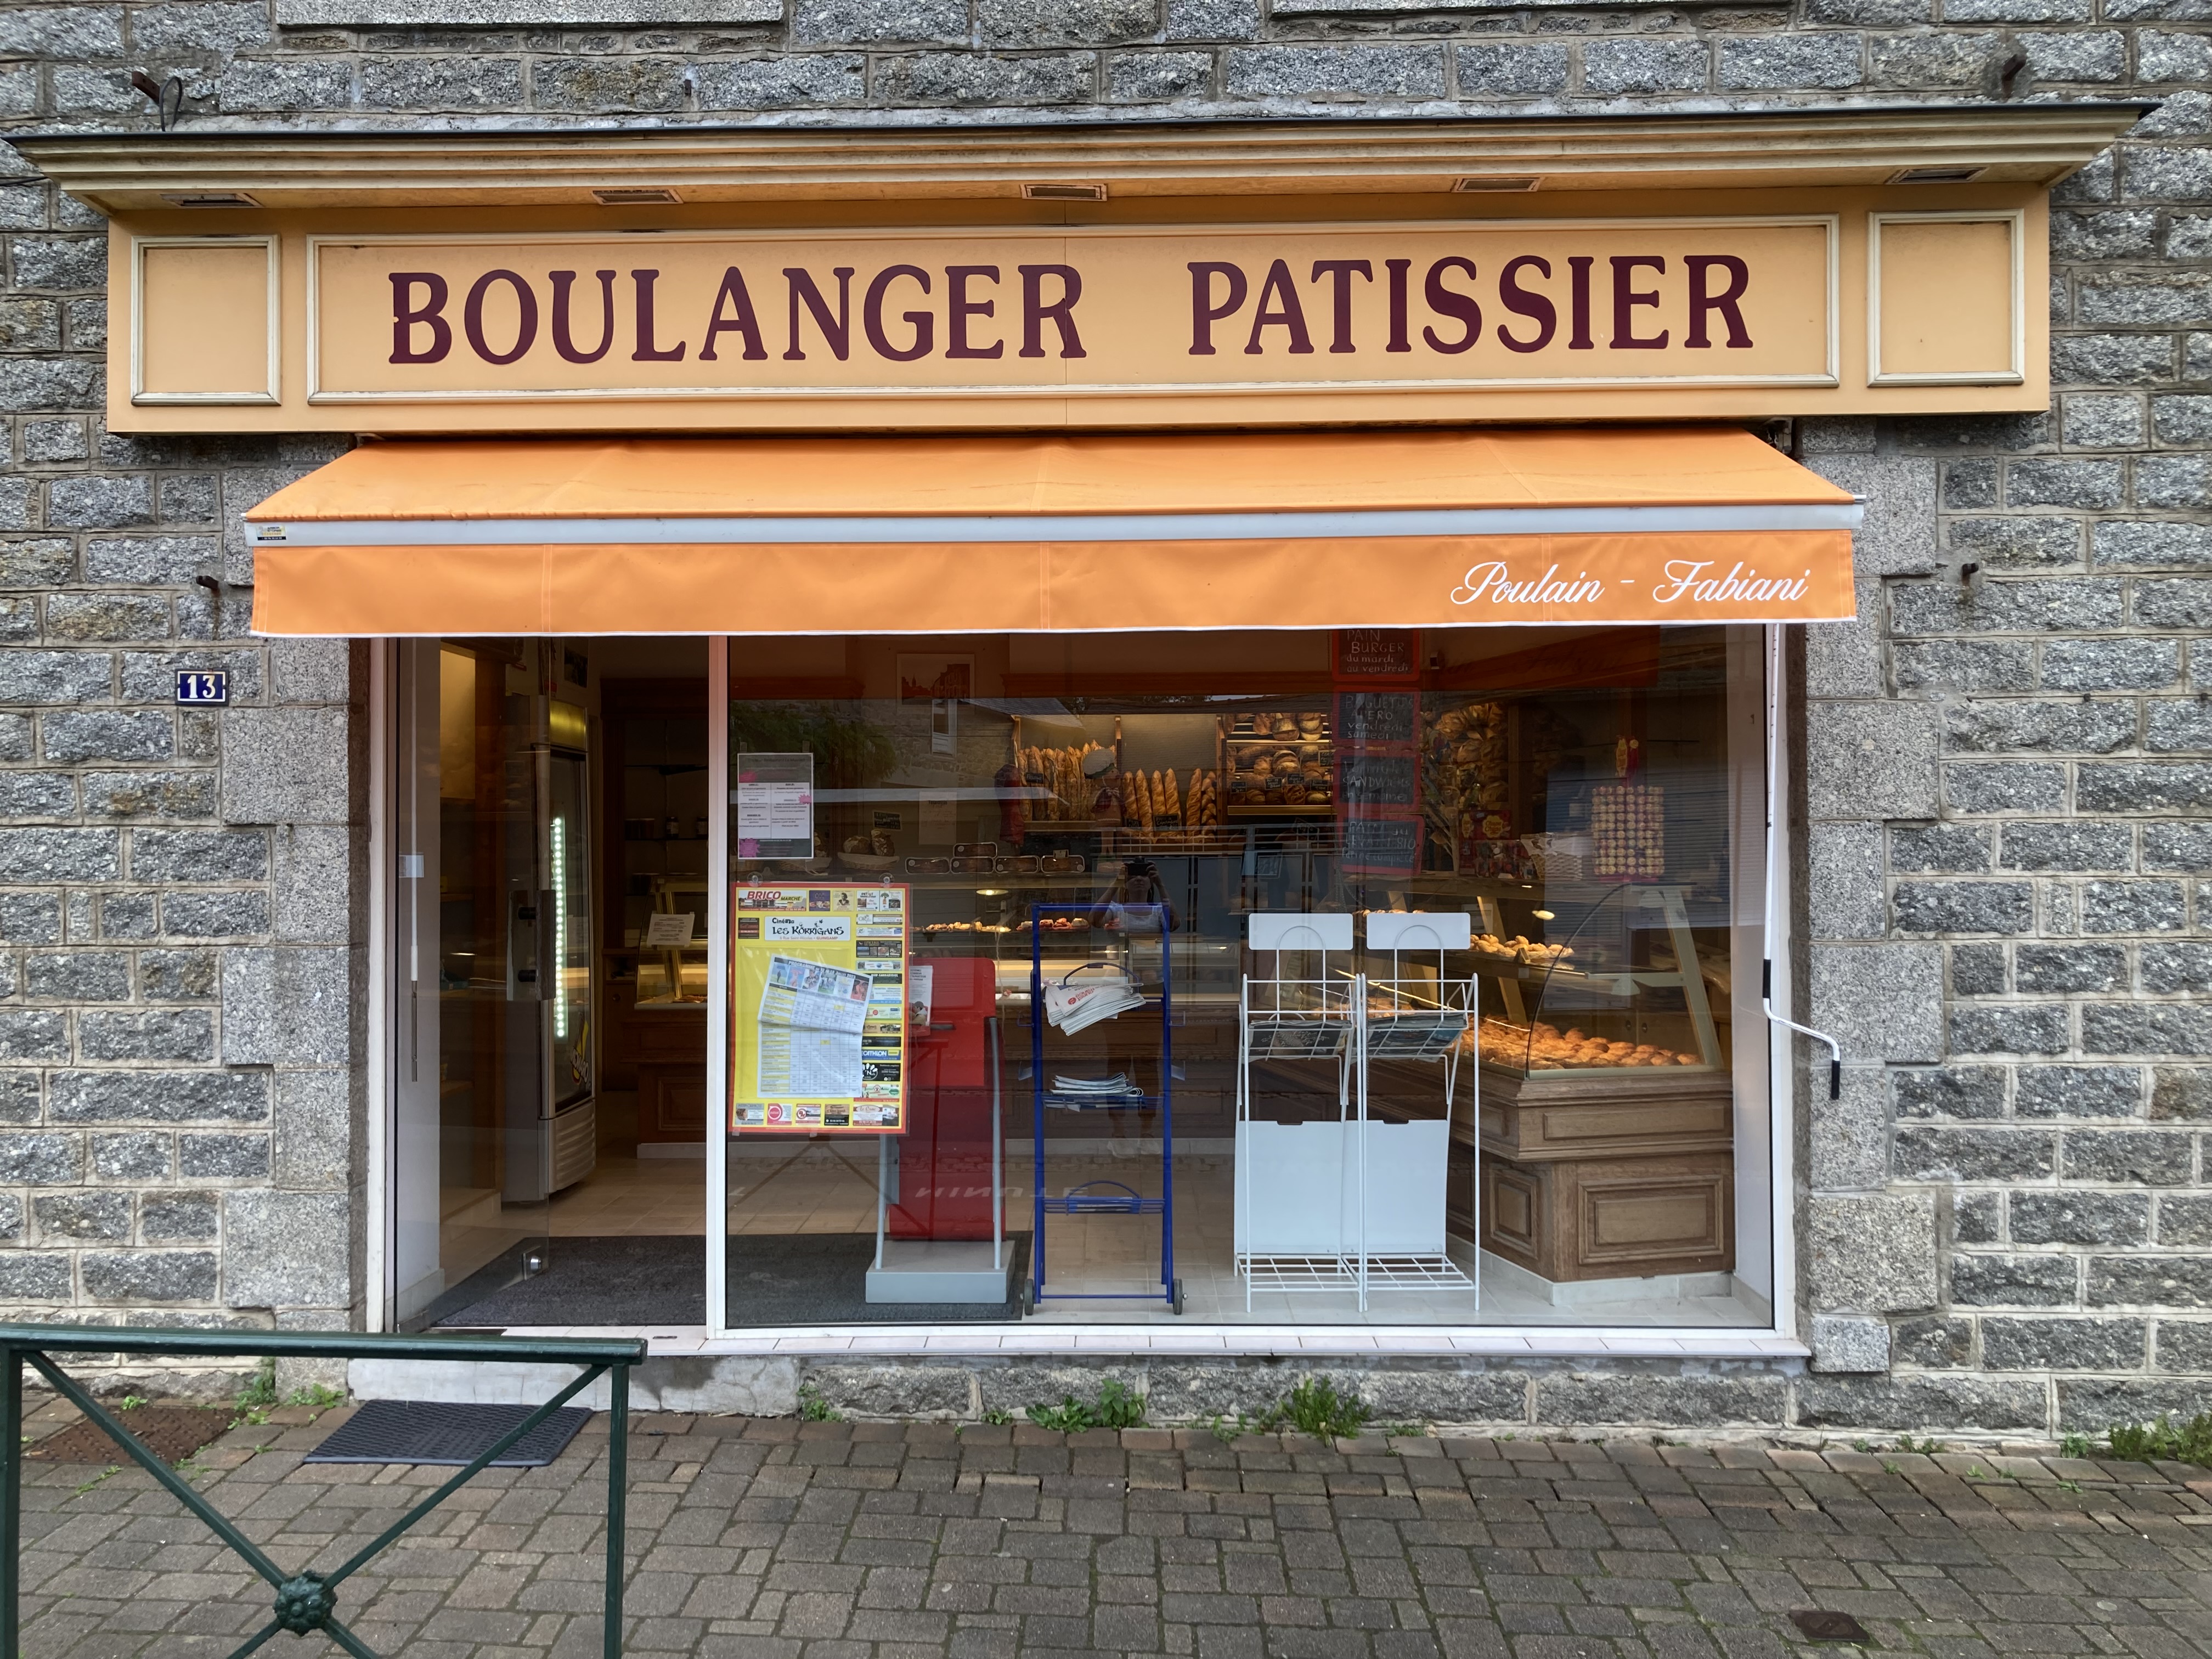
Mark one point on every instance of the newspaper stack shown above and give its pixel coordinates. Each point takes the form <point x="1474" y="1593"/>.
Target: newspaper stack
<point x="1105" y="1088"/>
<point x="1079" y="1092"/>
<point x="1074" y="1006"/>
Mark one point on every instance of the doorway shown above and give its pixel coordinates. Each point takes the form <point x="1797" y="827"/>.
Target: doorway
<point x="550" y="1044"/>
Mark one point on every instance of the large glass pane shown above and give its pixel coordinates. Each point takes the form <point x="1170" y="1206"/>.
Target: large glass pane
<point x="1166" y="1032"/>
<point x="475" y="1079"/>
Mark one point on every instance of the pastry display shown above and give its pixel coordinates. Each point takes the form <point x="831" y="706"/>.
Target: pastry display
<point x="1202" y="799"/>
<point x="1137" y="800"/>
<point x="1628" y="831"/>
<point x="1161" y="800"/>
<point x="1059" y="774"/>
<point x="1520" y="948"/>
<point x="1312" y="726"/>
<point x="1278" y="760"/>
<point x="1467" y="779"/>
<point x="870" y="852"/>
<point x="1545" y="1047"/>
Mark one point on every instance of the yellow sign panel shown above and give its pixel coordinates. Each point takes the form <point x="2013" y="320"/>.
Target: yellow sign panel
<point x="818" y="1009"/>
<point x="1820" y="303"/>
<point x="1095" y="314"/>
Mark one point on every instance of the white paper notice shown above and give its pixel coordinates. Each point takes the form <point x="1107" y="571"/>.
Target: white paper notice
<point x="811" y="1018"/>
<point x="940" y="818"/>
<point x="775" y="809"/>
<point x="774" y="798"/>
<point x="665" y="928"/>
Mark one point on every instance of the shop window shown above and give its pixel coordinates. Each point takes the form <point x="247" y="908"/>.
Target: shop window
<point x="1263" y="977"/>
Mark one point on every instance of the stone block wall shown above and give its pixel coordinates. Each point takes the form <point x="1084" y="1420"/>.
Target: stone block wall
<point x="181" y="961"/>
<point x="2009" y="774"/>
<point x="2006" y="762"/>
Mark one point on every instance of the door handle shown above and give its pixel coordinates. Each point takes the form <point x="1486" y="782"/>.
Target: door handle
<point x="525" y="949"/>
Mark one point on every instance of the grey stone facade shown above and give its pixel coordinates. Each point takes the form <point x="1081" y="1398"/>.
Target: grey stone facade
<point x="2004" y="772"/>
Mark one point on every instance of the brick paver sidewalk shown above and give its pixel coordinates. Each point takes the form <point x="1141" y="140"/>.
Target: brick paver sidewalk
<point x="777" y="1540"/>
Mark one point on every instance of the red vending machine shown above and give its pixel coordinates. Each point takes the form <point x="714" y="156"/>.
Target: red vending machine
<point x="941" y="1218"/>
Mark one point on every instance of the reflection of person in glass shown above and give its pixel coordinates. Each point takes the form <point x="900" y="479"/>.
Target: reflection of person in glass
<point x="1138" y="885"/>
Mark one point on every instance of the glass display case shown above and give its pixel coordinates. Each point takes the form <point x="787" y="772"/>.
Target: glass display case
<point x="1612" y="997"/>
<point x="1607" y="1115"/>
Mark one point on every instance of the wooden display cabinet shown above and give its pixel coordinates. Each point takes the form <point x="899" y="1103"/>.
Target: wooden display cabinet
<point x="1587" y="1176"/>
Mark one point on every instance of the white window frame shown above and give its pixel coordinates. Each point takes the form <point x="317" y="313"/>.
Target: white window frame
<point x="1777" y="1340"/>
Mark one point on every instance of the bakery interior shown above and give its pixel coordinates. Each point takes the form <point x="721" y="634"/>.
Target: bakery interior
<point x="1582" y="1140"/>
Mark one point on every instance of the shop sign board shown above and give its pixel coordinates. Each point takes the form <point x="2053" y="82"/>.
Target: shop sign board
<point x="817" y="1008"/>
<point x="981" y="313"/>
<point x="1222" y="320"/>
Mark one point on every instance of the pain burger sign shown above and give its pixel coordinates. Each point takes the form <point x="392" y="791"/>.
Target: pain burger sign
<point x="1101" y="314"/>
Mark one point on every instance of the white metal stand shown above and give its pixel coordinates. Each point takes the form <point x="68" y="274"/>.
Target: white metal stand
<point x="1297" y="1182"/>
<point x="1354" y="1204"/>
<point x="1425" y="1020"/>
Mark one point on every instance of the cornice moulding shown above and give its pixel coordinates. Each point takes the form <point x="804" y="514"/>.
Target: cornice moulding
<point x="2036" y="144"/>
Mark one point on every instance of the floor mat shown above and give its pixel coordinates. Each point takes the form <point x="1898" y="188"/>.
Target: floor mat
<point x="775" y="1278"/>
<point x="170" y="1432"/>
<point x="420" y="1431"/>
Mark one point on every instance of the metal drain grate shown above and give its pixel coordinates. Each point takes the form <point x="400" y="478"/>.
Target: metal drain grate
<point x="423" y="1432"/>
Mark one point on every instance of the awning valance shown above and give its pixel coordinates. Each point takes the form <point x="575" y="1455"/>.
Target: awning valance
<point x="1021" y="534"/>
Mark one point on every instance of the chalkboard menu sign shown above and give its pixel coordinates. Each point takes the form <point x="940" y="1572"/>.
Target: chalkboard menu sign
<point x="1380" y="847"/>
<point x="1391" y="782"/>
<point x="1378" y="653"/>
<point x="1378" y="717"/>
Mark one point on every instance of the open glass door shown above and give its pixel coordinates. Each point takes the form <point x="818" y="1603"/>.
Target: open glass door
<point x="496" y="1091"/>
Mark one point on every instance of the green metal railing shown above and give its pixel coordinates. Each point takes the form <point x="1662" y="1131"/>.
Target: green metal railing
<point x="305" y="1601"/>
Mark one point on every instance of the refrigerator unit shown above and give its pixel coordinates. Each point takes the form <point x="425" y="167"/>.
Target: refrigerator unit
<point x="552" y="1138"/>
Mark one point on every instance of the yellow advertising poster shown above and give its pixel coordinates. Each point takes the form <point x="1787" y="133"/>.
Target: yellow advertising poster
<point x="818" y="1009"/>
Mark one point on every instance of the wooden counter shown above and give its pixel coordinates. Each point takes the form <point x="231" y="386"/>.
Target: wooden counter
<point x="1608" y="1174"/>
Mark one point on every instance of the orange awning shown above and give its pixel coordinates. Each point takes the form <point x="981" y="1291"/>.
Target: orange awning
<point x="1021" y="534"/>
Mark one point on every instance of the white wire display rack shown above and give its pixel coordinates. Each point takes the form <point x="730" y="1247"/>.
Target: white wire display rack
<point x="1295" y="1180"/>
<point x="1425" y="1019"/>
<point x="1354" y="1204"/>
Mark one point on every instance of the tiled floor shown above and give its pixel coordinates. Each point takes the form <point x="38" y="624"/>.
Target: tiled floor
<point x="831" y="1188"/>
<point x="634" y="1195"/>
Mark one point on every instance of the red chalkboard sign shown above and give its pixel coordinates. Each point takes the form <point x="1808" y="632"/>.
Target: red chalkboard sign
<point x="1380" y="720"/>
<point x="1386" y="782"/>
<point x="1380" y="845"/>
<point x="1376" y="654"/>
